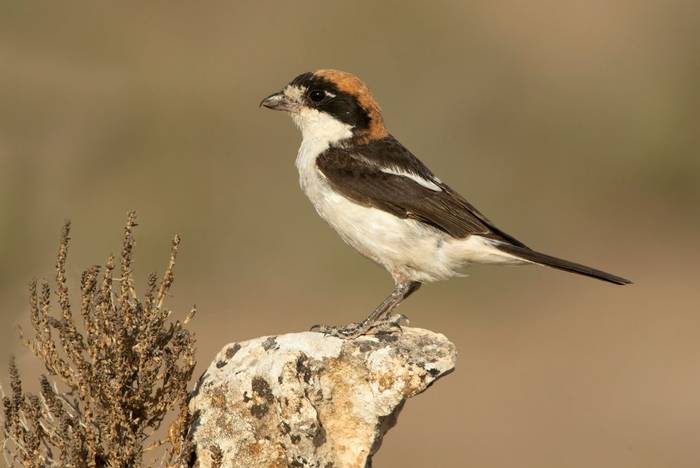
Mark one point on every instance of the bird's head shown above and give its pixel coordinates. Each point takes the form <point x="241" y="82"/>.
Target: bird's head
<point x="330" y="104"/>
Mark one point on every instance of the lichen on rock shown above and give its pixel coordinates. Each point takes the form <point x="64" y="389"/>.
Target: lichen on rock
<point x="309" y="400"/>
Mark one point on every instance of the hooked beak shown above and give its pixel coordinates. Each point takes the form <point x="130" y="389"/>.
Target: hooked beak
<point x="279" y="101"/>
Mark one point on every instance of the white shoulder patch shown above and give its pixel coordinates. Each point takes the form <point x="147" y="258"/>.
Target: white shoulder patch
<point x="429" y="184"/>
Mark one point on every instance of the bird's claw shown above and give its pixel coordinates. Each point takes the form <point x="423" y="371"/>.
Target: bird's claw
<point x="390" y="325"/>
<point x="351" y="331"/>
<point x="346" y="332"/>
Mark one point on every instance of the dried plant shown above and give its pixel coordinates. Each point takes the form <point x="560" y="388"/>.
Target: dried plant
<point x="112" y="378"/>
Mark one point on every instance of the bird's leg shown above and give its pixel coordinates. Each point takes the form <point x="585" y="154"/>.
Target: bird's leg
<point x="377" y="317"/>
<point x="401" y="291"/>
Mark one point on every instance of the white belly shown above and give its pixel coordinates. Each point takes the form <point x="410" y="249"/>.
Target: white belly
<point x="408" y="249"/>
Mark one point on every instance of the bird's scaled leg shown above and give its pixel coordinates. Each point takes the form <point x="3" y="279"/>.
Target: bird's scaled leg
<point x="379" y="317"/>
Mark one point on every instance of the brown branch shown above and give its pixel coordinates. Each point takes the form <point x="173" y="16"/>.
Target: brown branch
<point x="124" y="368"/>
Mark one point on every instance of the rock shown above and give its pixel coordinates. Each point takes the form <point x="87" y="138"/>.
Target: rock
<point x="309" y="400"/>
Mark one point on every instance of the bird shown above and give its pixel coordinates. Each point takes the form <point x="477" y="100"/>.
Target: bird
<point x="385" y="202"/>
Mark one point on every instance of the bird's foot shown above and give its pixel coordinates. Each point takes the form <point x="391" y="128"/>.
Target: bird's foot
<point x="351" y="331"/>
<point x="390" y="325"/>
<point x="345" y="332"/>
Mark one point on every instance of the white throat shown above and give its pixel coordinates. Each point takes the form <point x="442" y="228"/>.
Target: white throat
<point x="320" y="125"/>
<point x="318" y="130"/>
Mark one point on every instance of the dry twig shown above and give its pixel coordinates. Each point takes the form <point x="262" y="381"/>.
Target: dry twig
<point x="123" y="368"/>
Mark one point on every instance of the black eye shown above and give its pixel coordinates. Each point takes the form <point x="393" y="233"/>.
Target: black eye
<point x="316" y="95"/>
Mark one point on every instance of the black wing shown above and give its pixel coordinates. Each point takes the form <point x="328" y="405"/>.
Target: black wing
<point x="363" y="174"/>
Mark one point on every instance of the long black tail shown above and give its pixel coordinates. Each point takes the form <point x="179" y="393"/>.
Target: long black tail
<point x="558" y="263"/>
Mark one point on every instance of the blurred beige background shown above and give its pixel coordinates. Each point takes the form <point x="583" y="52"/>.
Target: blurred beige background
<point x="573" y="125"/>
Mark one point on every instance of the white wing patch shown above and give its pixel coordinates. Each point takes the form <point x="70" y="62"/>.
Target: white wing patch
<point x="429" y="184"/>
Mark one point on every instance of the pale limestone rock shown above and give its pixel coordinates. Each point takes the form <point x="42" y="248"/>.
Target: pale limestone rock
<point x="305" y="399"/>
